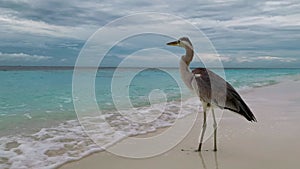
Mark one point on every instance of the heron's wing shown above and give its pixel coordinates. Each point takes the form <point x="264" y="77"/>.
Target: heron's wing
<point x="203" y="85"/>
<point x="211" y="87"/>
<point x="215" y="90"/>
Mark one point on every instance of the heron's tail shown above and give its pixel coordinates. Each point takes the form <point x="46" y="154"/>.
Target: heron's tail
<point x="235" y="103"/>
<point x="242" y="109"/>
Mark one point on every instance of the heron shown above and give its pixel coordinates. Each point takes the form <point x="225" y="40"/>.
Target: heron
<point x="203" y="81"/>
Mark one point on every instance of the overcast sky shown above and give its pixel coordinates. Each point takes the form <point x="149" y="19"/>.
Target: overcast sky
<point x="245" y="33"/>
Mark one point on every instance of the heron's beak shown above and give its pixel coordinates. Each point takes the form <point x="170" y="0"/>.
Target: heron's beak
<point x="175" y="43"/>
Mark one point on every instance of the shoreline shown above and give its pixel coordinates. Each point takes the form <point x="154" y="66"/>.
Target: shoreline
<point x="260" y="141"/>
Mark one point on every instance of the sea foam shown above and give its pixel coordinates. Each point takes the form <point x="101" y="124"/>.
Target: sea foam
<point x="54" y="146"/>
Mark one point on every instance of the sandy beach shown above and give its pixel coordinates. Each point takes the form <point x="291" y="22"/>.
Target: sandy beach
<point x="271" y="143"/>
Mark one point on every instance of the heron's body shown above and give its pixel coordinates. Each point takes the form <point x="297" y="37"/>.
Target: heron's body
<point x="233" y="100"/>
<point x="212" y="89"/>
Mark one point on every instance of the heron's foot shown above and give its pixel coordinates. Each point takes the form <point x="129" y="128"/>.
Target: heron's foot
<point x="199" y="147"/>
<point x="185" y="150"/>
<point x="215" y="150"/>
<point x="190" y="150"/>
<point x="200" y="150"/>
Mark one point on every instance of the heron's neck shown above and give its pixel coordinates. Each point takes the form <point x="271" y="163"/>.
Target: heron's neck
<point x="185" y="72"/>
<point x="189" y="54"/>
<point x="185" y="61"/>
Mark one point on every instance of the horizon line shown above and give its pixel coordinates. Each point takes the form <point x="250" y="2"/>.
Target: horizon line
<point x="21" y="67"/>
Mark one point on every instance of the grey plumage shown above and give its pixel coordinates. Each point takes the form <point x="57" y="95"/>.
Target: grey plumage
<point x="233" y="100"/>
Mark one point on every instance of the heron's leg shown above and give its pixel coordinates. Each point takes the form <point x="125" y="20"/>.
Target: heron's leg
<point x="215" y="129"/>
<point x="203" y="127"/>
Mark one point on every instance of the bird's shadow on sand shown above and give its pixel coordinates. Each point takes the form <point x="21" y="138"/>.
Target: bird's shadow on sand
<point x="215" y="159"/>
<point x="202" y="155"/>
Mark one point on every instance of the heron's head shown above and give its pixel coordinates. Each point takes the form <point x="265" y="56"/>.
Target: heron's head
<point x="182" y="42"/>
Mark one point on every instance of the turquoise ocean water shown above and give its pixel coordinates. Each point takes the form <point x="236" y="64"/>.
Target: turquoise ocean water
<point x="38" y="126"/>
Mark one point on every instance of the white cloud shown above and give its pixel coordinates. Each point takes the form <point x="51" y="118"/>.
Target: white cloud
<point x="274" y="5"/>
<point x="22" y="57"/>
<point x="153" y="58"/>
<point x="63" y="60"/>
<point x="265" y="58"/>
<point x="213" y="57"/>
<point x="14" y="24"/>
<point x="272" y="21"/>
<point x="281" y="59"/>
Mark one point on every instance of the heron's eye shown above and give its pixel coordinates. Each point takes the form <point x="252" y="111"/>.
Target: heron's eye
<point x="178" y="41"/>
